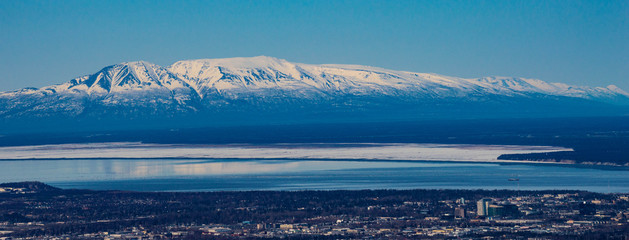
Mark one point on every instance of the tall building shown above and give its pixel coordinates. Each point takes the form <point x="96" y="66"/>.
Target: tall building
<point x="482" y="206"/>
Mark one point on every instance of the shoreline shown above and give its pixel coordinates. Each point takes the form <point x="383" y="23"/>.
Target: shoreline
<point x="319" y="159"/>
<point x="501" y="162"/>
<point x="361" y="152"/>
<point x="314" y="151"/>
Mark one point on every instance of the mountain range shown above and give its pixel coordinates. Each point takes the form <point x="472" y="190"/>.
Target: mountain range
<point x="262" y="90"/>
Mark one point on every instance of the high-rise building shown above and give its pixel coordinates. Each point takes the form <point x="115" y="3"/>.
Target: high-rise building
<point x="482" y="206"/>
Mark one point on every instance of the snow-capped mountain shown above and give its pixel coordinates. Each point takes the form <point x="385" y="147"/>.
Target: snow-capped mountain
<point x="264" y="74"/>
<point x="215" y="87"/>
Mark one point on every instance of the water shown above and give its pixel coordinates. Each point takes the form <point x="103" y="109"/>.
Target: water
<point x="226" y="175"/>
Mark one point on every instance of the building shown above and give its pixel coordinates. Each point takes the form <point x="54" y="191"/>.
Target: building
<point x="482" y="207"/>
<point x="286" y="226"/>
<point x="459" y="213"/>
<point x="495" y="210"/>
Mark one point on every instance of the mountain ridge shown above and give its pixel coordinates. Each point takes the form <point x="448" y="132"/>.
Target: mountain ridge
<point x="237" y="87"/>
<point x="183" y="73"/>
<point x="192" y="73"/>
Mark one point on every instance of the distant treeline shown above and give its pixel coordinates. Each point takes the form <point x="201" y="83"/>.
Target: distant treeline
<point x="617" y="158"/>
<point x="590" y="147"/>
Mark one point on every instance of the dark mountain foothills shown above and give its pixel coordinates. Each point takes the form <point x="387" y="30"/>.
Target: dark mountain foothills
<point x="35" y="210"/>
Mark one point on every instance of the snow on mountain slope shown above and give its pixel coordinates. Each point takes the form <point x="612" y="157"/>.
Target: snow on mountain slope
<point x="125" y="78"/>
<point x="264" y="73"/>
<point x="241" y="75"/>
<point x="131" y="78"/>
<point x="559" y="89"/>
<point x="211" y="83"/>
<point x="127" y="84"/>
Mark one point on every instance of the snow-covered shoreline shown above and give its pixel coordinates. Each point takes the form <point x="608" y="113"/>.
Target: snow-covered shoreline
<point x="340" y="151"/>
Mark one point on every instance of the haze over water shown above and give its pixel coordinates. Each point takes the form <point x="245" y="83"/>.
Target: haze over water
<point x="222" y="175"/>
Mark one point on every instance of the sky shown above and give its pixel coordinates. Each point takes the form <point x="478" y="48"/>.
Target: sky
<point x="575" y="42"/>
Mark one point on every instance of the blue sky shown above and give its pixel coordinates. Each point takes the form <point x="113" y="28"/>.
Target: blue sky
<point x="576" y="42"/>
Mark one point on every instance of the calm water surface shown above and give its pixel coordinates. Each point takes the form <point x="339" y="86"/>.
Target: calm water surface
<point x="219" y="175"/>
